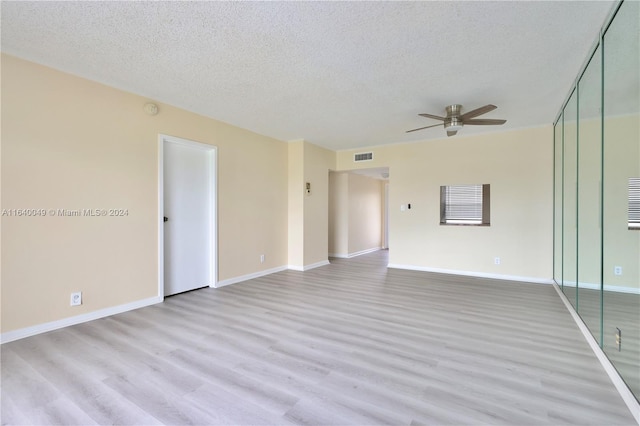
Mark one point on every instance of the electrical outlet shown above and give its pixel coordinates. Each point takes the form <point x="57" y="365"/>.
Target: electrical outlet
<point x="262" y="258"/>
<point x="496" y="260"/>
<point x="617" y="270"/>
<point x="76" y="299"/>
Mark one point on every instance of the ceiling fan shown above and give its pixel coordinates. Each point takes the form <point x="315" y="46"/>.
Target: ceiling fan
<point x="455" y="119"/>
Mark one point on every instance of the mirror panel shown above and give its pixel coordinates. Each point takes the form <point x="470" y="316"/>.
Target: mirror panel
<point x="557" y="202"/>
<point x="589" y="178"/>
<point x="569" y="210"/>
<point x="596" y="197"/>
<point x="621" y="256"/>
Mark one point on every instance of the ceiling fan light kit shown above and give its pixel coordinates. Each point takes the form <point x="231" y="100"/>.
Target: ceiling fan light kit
<point x="455" y="120"/>
<point x="453" y="125"/>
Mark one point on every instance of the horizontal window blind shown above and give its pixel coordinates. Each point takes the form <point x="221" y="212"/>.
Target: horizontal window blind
<point x="463" y="203"/>
<point x="634" y="202"/>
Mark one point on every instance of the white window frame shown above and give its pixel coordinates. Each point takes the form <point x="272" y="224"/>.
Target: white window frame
<point x="465" y="205"/>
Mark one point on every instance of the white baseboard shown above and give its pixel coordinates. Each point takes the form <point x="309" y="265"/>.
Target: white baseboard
<point x="241" y="278"/>
<point x="307" y="267"/>
<point x="10" y="336"/>
<point x="619" y="289"/>
<point x="473" y="274"/>
<point x="623" y="390"/>
<point x="354" y="254"/>
<point x="339" y="255"/>
<point x="613" y="288"/>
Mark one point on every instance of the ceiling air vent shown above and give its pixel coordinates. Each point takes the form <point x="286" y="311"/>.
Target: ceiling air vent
<point x="363" y="156"/>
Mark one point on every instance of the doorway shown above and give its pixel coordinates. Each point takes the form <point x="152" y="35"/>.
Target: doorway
<point x="358" y="211"/>
<point x="187" y="215"/>
<point x="385" y="218"/>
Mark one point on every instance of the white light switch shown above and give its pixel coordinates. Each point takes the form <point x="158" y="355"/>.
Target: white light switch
<point x="402" y="207"/>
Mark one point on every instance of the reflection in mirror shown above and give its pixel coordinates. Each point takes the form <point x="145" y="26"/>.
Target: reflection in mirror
<point x="589" y="177"/>
<point x="634" y="203"/>
<point x="621" y="256"/>
<point x="569" y="211"/>
<point x="557" y="202"/>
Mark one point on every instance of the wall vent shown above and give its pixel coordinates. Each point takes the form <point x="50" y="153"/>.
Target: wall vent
<point x="363" y="156"/>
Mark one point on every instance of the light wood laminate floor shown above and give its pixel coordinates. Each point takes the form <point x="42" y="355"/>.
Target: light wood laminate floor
<point x="621" y="310"/>
<point x="348" y="343"/>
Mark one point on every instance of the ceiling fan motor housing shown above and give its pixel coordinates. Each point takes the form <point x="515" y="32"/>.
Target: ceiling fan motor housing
<point x="453" y="122"/>
<point x="454" y="110"/>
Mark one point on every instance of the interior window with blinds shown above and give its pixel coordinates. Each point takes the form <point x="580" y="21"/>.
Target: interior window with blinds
<point x="464" y="205"/>
<point x="634" y="203"/>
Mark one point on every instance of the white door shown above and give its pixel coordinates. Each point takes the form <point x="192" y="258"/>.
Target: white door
<point x="188" y="192"/>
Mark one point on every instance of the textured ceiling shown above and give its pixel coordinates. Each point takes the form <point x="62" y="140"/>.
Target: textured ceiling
<point x="337" y="74"/>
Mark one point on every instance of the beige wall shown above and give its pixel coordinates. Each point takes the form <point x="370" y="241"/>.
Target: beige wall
<point x="569" y="192"/>
<point x="317" y="163"/>
<point x="621" y="161"/>
<point x="355" y="213"/>
<point x="72" y="143"/>
<point x="517" y="164"/>
<point x="589" y="178"/>
<point x="308" y="212"/>
<point x="338" y="214"/>
<point x="365" y="213"/>
<point x="296" y="204"/>
<point x="621" y="245"/>
<point x="557" y="213"/>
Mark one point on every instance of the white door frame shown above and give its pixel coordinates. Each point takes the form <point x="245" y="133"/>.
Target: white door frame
<point x="213" y="265"/>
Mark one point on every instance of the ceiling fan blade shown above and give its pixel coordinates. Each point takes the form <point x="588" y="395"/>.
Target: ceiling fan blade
<point x="435" y="117"/>
<point x="484" y="122"/>
<point x="478" y="111"/>
<point x="453" y="133"/>
<point x="421" y="128"/>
